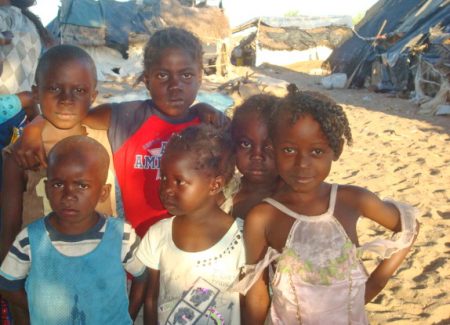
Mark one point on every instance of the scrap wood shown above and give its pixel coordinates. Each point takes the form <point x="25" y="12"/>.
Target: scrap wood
<point x="350" y="79"/>
<point x="233" y="84"/>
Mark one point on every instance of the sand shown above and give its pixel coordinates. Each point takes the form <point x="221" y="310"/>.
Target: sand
<point x="401" y="154"/>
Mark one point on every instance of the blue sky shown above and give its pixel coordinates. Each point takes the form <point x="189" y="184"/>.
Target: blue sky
<point x="240" y="11"/>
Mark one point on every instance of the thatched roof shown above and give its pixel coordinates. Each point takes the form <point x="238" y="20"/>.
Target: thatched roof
<point x="290" y="38"/>
<point x="209" y="24"/>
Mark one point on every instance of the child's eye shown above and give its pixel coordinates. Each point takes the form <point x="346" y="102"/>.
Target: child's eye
<point x="180" y="182"/>
<point x="57" y="185"/>
<point x="245" y="144"/>
<point x="288" y="150"/>
<point x="163" y="178"/>
<point x="317" y="152"/>
<point x="80" y="90"/>
<point x="54" y="89"/>
<point x="161" y="76"/>
<point x="83" y="186"/>
<point x="268" y="147"/>
<point x="187" y="75"/>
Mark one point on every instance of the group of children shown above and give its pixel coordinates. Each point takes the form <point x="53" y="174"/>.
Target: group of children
<point x="197" y="255"/>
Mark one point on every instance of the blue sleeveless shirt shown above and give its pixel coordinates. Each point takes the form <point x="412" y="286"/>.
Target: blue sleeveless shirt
<point x="77" y="290"/>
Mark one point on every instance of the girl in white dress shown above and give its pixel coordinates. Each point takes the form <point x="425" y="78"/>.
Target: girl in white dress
<point x="307" y="229"/>
<point x="195" y="256"/>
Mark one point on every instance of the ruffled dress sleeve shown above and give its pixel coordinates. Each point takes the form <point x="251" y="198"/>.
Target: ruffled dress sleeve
<point x="251" y="273"/>
<point x="385" y="248"/>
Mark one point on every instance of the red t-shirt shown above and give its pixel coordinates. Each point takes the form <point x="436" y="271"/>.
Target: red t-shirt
<point x="138" y="134"/>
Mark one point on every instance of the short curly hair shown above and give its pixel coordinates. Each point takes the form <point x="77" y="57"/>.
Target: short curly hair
<point x="212" y="148"/>
<point x="262" y="104"/>
<point x="172" y="37"/>
<point x="330" y="116"/>
<point x="61" y="54"/>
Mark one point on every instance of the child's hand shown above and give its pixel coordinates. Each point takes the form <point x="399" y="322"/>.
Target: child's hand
<point x="28" y="104"/>
<point x="28" y="151"/>
<point x="209" y="115"/>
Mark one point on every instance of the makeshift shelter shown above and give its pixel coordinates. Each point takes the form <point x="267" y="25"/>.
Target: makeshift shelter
<point x="115" y="33"/>
<point x="287" y="40"/>
<point x="400" y="45"/>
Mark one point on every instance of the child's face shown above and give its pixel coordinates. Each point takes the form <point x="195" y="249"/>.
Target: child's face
<point x="254" y="150"/>
<point x="65" y="91"/>
<point x="173" y="82"/>
<point x="74" y="187"/>
<point x="184" y="189"/>
<point x="302" y="153"/>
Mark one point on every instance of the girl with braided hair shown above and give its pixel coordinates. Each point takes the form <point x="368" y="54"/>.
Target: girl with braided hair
<point x="307" y="228"/>
<point x="195" y="256"/>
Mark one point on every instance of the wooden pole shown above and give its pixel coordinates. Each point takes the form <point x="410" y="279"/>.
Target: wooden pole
<point x="350" y="79"/>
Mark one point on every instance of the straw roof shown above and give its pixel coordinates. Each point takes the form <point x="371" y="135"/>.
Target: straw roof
<point x="209" y="24"/>
<point x="289" y="38"/>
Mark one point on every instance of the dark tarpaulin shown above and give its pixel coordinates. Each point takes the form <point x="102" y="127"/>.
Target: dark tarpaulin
<point x="119" y="18"/>
<point x="347" y="57"/>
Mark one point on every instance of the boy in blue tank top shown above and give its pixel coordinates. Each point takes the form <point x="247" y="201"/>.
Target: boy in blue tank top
<point x="69" y="267"/>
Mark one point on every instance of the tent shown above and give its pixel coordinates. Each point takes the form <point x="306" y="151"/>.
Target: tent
<point x="290" y="39"/>
<point x="115" y="32"/>
<point x="400" y="45"/>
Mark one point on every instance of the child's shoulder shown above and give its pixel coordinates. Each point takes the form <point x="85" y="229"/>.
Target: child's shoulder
<point x="356" y="197"/>
<point x="261" y="215"/>
<point x="134" y="104"/>
<point x="161" y="227"/>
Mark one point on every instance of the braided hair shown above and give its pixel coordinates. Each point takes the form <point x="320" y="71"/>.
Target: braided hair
<point x="262" y="104"/>
<point x="212" y="149"/>
<point x="330" y="116"/>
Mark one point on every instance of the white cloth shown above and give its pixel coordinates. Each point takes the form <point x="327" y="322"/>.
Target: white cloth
<point x="194" y="285"/>
<point x="19" y="58"/>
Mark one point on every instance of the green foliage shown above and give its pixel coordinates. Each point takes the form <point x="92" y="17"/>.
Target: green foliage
<point x="358" y="17"/>
<point x="292" y="13"/>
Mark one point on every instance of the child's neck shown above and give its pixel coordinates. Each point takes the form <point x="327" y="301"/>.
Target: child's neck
<point x="314" y="202"/>
<point x="207" y="212"/>
<point x="251" y="188"/>
<point x="73" y="228"/>
<point x="52" y="135"/>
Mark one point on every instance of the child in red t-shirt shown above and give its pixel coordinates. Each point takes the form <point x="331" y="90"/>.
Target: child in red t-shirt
<point x="139" y="130"/>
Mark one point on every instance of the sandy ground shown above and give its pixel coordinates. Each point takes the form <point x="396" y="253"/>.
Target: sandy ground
<point x="401" y="154"/>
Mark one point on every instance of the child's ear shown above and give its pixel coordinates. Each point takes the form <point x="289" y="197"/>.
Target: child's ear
<point x="217" y="185"/>
<point x="144" y="77"/>
<point x="200" y="76"/>
<point x="35" y="93"/>
<point x="46" y="187"/>
<point x="104" y="195"/>
<point x="341" y="148"/>
<point x="94" y="96"/>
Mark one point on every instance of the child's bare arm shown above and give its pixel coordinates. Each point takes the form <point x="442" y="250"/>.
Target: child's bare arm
<point x="137" y="294"/>
<point x="382" y="273"/>
<point x="387" y="215"/>
<point x="99" y="117"/>
<point x="28" y="104"/>
<point x="257" y="299"/>
<point x="151" y="298"/>
<point x="11" y="212"/>
<point x="29" y="151"/>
